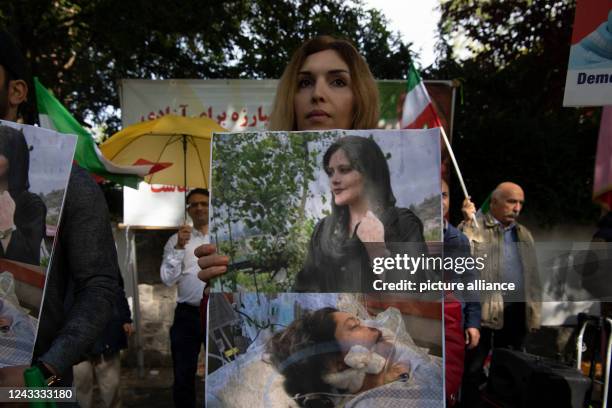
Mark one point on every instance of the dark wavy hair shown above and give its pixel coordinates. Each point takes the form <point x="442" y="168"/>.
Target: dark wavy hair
<point x="367" y="158"/>
<point x="13" y="146"/>
<point x="304" y="352"/>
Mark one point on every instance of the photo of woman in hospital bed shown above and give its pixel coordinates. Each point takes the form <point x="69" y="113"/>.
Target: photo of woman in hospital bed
<point x="332" y="358"/>
<point x="328" y="353"/>
<point x="17" y="334"/>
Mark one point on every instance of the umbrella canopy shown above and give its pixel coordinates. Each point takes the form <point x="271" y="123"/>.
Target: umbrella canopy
<point x="180" y="142"/>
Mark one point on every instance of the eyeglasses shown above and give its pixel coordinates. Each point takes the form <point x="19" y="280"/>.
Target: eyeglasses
<point x="202" y="204"/>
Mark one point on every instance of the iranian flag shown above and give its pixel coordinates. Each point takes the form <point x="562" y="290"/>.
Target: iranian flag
<point x="53" y="115"/>
<point x="418" y="112"/>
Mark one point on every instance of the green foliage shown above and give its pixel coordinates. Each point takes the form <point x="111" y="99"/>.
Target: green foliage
<point x="429" y="212"/>
<point x="82" y="49"/>
<point x="53" y="201"/>
<point x="259" y="196"/>
<point x="511" y="124"/>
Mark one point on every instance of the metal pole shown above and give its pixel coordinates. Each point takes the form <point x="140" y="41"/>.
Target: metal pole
<point x="457" y="170"/>
<point x="185" y="178"/>
<point x="132" y="270"/>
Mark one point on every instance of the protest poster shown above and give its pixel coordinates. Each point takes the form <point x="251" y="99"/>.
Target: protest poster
<point x="589" y="73"/>
<point x="274" y="202"/>
<point x="279" y="349"/>
<point x="35" y="166"/>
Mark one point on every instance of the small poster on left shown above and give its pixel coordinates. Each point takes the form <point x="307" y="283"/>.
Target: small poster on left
<point x="35" y="166"/>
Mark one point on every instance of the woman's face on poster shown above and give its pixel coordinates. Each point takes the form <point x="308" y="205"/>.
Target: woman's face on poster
<point x="347" y="183"/>
<point x="4" y="166"/>
<point x="350" y="332"/>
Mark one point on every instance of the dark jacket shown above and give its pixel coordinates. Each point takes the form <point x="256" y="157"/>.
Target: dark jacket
<point x="114" y="338"/>
<point x="83" y="279"/>
<point x="487" y="239"/>
<point x="456" y="244"/>
<point x="350" y="270"/>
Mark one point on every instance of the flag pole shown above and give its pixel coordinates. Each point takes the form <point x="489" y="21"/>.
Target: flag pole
<point x="457" y="170"/>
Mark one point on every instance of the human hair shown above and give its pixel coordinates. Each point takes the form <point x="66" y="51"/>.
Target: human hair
<point x="13" y="146"/>
<point x="367" y="158"/>
<point x="14" y="66"/>
<point x="202" y="191"/>
<point x="304" y="352"/>
<point x="366" y="109"/>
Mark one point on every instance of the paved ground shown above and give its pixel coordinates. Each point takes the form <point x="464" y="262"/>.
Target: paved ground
<point x="155" y="390"/>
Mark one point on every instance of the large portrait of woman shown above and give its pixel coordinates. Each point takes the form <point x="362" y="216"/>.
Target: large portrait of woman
<point x="35" y="166"/>
<point x="322" y="350"/>
<point x="309" y="211"/>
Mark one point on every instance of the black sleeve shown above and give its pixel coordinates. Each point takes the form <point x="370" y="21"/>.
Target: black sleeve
<point x="410" y="227"/>
<point x="404" y="236"/>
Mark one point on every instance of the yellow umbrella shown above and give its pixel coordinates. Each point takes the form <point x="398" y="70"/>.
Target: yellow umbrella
<point x="182" y="142"/>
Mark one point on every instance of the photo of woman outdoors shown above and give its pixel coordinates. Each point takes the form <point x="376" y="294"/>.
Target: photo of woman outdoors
<point x="22" y="213"/>
<point x="363" y="218"/>
<point x="321" y="206"/>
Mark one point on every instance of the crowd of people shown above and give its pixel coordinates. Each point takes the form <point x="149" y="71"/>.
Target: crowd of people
<point x="326" y="85"/>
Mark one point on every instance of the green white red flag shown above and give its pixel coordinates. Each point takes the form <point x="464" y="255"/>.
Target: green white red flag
<point x="418" y="111"/>
<point x="53" y="115"/>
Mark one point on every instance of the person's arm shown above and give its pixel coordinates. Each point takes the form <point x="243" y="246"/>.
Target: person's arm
<point x="390" y="374"/>
<point x="471" y="315"/>
<point x="88" y="246"/>
<point x="172" y="262"/>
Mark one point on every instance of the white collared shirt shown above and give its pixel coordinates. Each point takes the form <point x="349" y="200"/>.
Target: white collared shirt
<point x="180" y="266"/>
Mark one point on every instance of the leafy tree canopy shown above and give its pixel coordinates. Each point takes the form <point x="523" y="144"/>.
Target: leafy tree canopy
<point x="509" y="122"/>
<point x="81" y="49"/>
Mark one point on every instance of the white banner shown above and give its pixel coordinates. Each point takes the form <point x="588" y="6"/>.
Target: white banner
<point x="234" y="104"/>
<point x="153" y="205"/>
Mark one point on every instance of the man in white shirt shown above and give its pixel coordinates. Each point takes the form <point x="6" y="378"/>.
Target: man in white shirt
<point x="180" y="267"/>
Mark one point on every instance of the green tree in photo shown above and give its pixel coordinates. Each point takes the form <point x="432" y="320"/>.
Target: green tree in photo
<point x="260" y="185"/>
